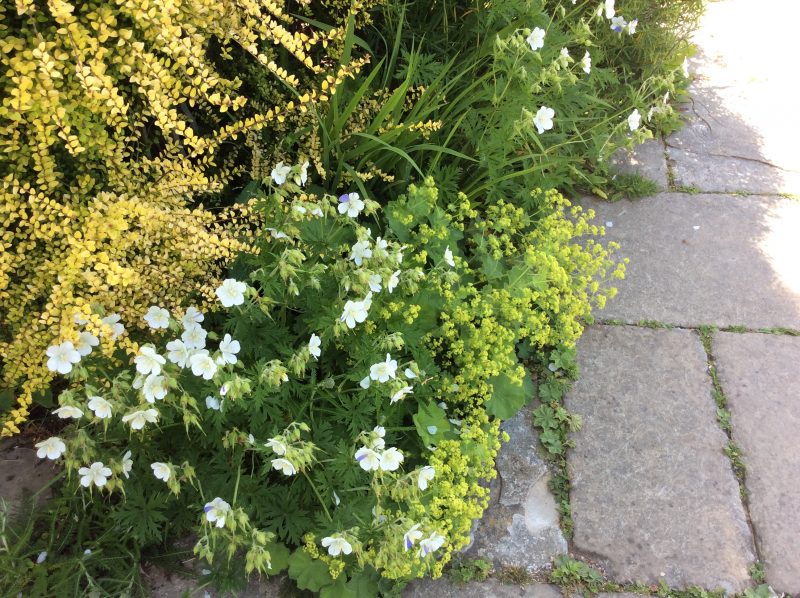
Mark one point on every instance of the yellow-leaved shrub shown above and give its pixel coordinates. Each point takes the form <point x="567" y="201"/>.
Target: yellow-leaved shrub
<point x="104" y="125"/>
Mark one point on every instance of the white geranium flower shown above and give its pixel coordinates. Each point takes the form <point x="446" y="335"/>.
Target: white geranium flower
<point x="301" y="178"/>
<point x="400" y="394"/>
<point x="86" y="341"/>
<point x="216" y="511"/>
<point x="203" y="365"/>
<point x="350" y="204"/>
<point x="52" y="448"/>
<point x="277" y="446"/>
<point x="212" y="403"/>
<point x="157" y="317"/>
<point x="544" y="119"/>
<point x="632" y="26"/>
<point x="41" y="558"/>
<point x="113" y="322"/>
<point x="162" y="471"/>
<point x="425" y="475"/>
<point x="354" y="313"/>
<point x="609" y="6"/>
<point x="618" y="24"/>
<point x="536" y="39"/>
<point x="148" y="361"/>
<point x="68" y="411"/>
<point x="100" y="407"/>
<point x="231" y="292"/>
<point x="448" y="257"/>
<point x="96" y="474"/>
<point x="365" y="383"/>
<point x="192" y="316"/>
<point x="194" y="337"/>
<point x="383" y="370"/>
<point x="284" y="466"/>
<point x="138" y="419"/>
<point x="314" y="345"/>
<point x="586" y="62"/>
<point x="228" y="349"/>
<point x="62" y="357"/>
<point x="179" y="353"/>
<point x="409" y="373"/>
<point x="393" y="281"/>
<point x="411" y="536"/>
<point x="223" y="390"/>
<point x="336" y="545"/>
<point x="380" y="431"/>
<point x="375" y="283"/>
<point x="564" y="58"/>
<point x="368" y="459"/>
<point x="430" y="544"/>
<point x="634" y="119"/>
<point x="360" y="251"/>
<point x="127" y="464"/>
<point x="390" y="459"/>
<point x="155" y="388"/>
<point x="280" y="172"/>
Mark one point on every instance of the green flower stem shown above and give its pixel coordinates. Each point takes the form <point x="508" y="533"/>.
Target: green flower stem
<point x="319" y="497"/>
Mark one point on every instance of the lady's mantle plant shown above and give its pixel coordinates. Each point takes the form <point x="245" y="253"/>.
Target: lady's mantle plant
<point x="338" y="417"/>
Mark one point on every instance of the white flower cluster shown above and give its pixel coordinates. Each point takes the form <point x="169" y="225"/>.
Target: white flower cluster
<point x="61" y="358"/>
<point x="374" y="455"/>
<point x="282" y="171"/>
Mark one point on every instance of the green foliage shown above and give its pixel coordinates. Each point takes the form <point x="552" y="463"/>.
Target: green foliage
<point x="572" y="574"/>
<point x="463" y="571"/>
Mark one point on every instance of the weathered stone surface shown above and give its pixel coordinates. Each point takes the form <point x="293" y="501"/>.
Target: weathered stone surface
<point x="22" y="475"/>
<point x="647" y="160"/>
<point x="520" y="527"/>
<point x="758" y="373"/>
<point x="653" y="494"/>
<point x="164" y="584"/>
<point x="442" y="588"/>
<point x="706" y="259"/>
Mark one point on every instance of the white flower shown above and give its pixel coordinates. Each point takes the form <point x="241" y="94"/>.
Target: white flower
<point x="301" y="178"/>
<point x="632" y="26"/>
<point x="634" y="119"/>
<point x="425" y="475"/>
<point x="354" y="313"/>
<point x="231" y="292"/>
<point x="277" y="446"/>
<point x="192" y="316"/>
<point x="390" y="459"/>
<point x="228" y="348"/>
<point x="138" y="419"/>
<point x="223" y="390"/>
<point x="161" y="471"/>
<point x="618" y="24"/>
<point x="380" y="431"/>
<point x="365" y="383"/>
<point x="448" y="257"/>
<point x="62" y="357"/>
<point x="203" y="365"/>
<point x="336" y="499"/>
<point x="41" y="558"/>
<point x="86" y="340"/>
<point x="100" y="407"/>
<point x="609" y="6"/>
<point x="148" y="361"/>
<point x="544" y="119"/>
<point x="154" y="388"/>
<point x="280" y="172"/>
<point x="179" y="353"/>
<point x="96" y="474"/>
<point x="586" y="62"/>
<point x="393" y="281"/>
<point x="381" y="245"/>
<point x="127" y="463"/>
<point x="336" y="545"/>
<point x="157" y="317"/>
<point x="375" y="283"/>
<point x="194" y="337"/>
<point x="52" y="448"/>
<point x="284" y="465"/>
<point x="216" y="511"/>
<point x="351" y="204"/>
<point x="406" y="390"/>
<point x="430" y="544"/>
<point x="212" y="403"/>
<point x="314" y="345"/>
<point x="411" y="536"/>
<point x="383" y="370"/>
<point x="68" y="411"/>
<point x="360" y="251"/>
<point x="536" y="39"/>
<point x="368" y="459"/>
<point x="564" y="58"/>
<point x="409" y="373"/>
<point x="112" y="322"/>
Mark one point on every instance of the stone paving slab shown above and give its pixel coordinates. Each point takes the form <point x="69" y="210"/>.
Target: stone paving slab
<point x="653" y="494"/>
<point x="442" y="588"/>
<point x="759" y="376"/>
<point x="648" y="160"/>
<point x="706" y="259"/>
<point x="22" y="474"/>
<point x="521" y="526"/>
